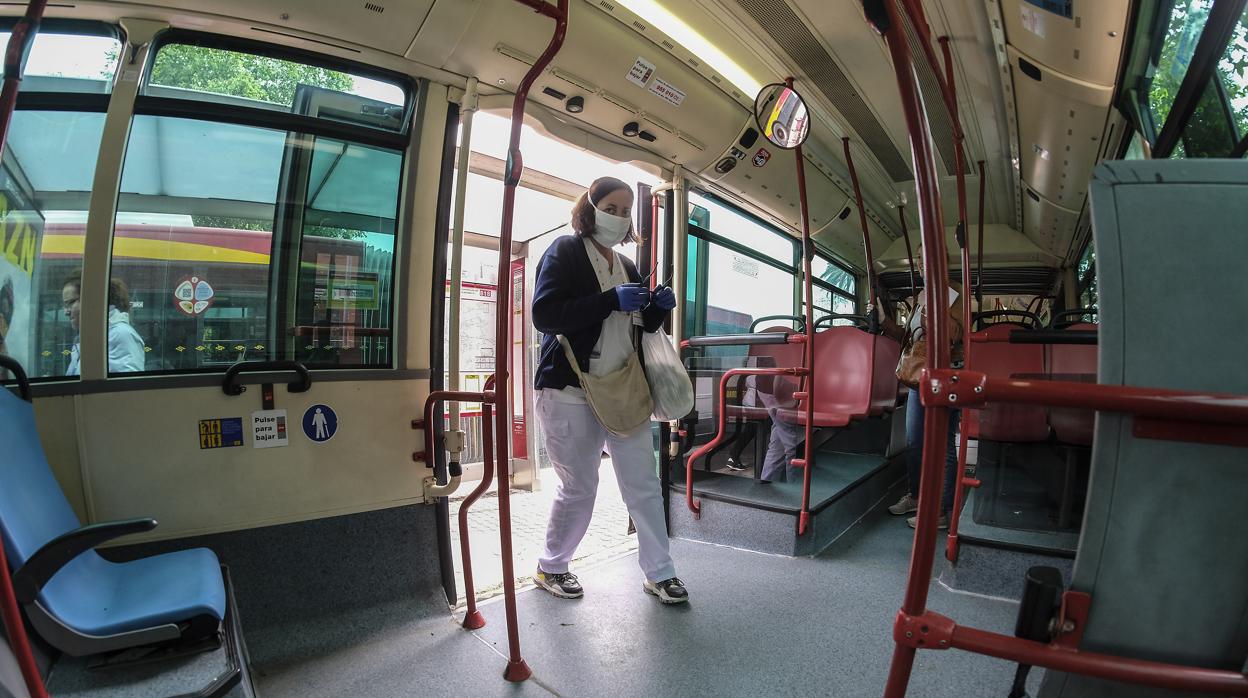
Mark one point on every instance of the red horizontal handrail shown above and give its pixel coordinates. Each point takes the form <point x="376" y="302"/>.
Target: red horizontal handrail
<point x="961" y="388"/>
<point x="1114" y="668"/>
<point x="722" y="424"/>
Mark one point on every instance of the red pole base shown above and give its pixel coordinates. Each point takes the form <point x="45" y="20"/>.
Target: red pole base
<point x="803" y="523"/>
<point x="474" y="621"/>
<point x="517" y="671"/>
<point x="951" y="549"/>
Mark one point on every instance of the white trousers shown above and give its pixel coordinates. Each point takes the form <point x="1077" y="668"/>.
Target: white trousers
<point x="574" y="441"/>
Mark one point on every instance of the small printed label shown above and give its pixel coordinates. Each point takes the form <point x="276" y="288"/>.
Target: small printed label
<point x="641" y="72"/>
<point x="667" y="91"/>
<point x="221" y="433"/>
<point x="268" y="429"/>
<point x="738" y="153"/>
<point x="761" y="157"/>
<point x="1033" y="21"/>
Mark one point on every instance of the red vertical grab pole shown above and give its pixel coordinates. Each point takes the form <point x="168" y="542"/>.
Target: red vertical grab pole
<point x="935" y="269"/>
<point x="905" y="234"/>
<point x="20" y="40"/>
<point x="808" y="363"/>
<point x="959" y="155"/>
<point x="473" y="620"/>
<point x="517" y="669"/>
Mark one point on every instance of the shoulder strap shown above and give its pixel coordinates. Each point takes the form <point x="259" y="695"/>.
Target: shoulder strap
<point x="567" y="351"/>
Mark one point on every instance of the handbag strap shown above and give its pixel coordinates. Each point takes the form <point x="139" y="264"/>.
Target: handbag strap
<point x="567" y="351"/>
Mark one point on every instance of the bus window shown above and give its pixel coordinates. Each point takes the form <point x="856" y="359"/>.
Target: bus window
<point x="62" y="62"/>
<point x="1187" y="20"/>
<point x="242" y="243"/>
<point x="45" y="188"/>
<point x="188" y="66"/>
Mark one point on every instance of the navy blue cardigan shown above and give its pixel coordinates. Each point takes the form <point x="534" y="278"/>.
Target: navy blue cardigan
<point x="567" y="300"/>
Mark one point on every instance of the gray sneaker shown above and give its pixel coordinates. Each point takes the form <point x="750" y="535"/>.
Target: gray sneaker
<point x="564" y="585"/>
<point x="669" y="591"/>
<point x="905" y="505"/>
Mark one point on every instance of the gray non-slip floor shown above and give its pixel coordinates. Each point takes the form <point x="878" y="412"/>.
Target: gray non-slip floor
<point x="758" y="625"/>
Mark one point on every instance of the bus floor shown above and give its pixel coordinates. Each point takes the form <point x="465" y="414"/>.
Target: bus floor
<point x="606" y="538"/>
<point x="757" y="625"/>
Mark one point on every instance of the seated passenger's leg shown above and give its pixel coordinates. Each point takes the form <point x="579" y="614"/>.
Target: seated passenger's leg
<point x="781" y="449"/>
<point x="574" y="440"/>
<point x="637" y="475"/>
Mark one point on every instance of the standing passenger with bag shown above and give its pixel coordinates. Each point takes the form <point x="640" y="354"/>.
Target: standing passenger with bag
<point x="590" y="304"/>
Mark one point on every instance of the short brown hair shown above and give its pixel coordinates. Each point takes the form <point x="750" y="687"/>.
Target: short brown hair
<point x="118" y="294"/>
<point x="583" y="209"/>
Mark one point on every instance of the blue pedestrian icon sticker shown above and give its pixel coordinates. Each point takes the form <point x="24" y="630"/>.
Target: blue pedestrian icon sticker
<point x="320" y="423"/>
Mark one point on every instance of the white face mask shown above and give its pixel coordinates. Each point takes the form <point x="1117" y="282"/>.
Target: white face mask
<point x="610" y="229"/>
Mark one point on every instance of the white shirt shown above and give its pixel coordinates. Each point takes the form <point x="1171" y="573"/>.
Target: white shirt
<point x="615" y="341"/>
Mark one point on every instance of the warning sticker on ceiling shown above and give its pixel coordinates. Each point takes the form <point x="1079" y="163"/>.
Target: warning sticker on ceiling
<point x="667" y="91"/>
<point x="641" y="72"/>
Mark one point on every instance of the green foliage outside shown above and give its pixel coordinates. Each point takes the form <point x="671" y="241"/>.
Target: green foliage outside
<point x="248" y="76"/>
<point x="1208" y="134"/>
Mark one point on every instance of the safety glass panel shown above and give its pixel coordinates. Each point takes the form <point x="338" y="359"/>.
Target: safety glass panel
<point x="237" y="243"/>
<point x="49" y="164"/>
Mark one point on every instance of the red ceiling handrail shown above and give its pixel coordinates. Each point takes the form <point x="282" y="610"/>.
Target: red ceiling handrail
<point x="517" y="669"/>
<point x="24" y="32"/>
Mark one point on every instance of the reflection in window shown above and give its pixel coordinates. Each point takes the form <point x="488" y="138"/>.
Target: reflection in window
<point x="241" y="243"/>
<point x="1209" y="132"/>
<point x="45" y="187"/>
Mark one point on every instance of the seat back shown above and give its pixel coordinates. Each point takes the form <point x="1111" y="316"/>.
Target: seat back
<point x="843" y="371"/>
<point x="1066" y="361"/>
<point x="776" y="356"/>
<point x="1000" y="359"/>
<point x="1162" y="552"/>
<point x="884" y="374"/>
<point x="33" y="509"/>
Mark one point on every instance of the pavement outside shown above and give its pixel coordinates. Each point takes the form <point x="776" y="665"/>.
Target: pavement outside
<point x="606" y="538"/>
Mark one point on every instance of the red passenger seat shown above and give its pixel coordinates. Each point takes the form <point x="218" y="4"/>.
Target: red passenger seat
<point x="999" y="359"/>
<point x="1072" y="362"/>
<point x="769" y="356"/>
<point x="843" y="378"/>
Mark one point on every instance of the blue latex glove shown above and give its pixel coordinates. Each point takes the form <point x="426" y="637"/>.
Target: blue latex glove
<point x="664" y="297"/>
<point x="631" y="296"/>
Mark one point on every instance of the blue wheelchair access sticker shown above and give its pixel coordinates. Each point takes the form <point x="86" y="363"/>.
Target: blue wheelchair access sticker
<point x="320" y="423"/>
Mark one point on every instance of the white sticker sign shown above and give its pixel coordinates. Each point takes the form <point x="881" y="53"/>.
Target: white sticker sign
<point x="667" y="91"/>
<point x="1033" y="21"/>
<point x="268" y="429"/>
<point x="641" y="72"/>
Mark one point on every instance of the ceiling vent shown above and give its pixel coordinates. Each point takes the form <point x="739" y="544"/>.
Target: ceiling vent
<point x="787" y="30"/>
<point x="374" y="7"/>
<point x="937" y="115"/>
<point x="515" y="54"/>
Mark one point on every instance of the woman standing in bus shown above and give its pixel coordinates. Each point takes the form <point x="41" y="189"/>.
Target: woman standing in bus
<point x="125" y="346"/>
<point x="594" y="297"/>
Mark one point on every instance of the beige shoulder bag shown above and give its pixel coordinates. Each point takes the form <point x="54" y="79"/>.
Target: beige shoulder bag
<point x="621" y="399"/>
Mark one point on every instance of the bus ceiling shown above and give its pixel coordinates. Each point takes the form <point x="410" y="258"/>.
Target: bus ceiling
<point x="675" y="85"/>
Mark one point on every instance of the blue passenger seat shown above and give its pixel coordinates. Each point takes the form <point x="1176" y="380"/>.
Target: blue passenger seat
<point x="79" y="602"/>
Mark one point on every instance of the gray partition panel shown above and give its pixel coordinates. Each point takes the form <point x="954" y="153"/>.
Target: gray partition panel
<point x="1164" y="552"/>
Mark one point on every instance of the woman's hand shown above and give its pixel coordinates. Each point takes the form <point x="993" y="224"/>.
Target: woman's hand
<point x="663" y="297"/>
<point x="631" y="296"/>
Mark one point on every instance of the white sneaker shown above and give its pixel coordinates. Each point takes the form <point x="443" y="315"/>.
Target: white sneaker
<point x="905" y="505"/>
<point x="942" y="523"/>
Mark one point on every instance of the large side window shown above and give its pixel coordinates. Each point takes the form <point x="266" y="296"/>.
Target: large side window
<point x="45" y="187"/>
<point x="240" y="242"/>
<point x="834" y="288"/>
